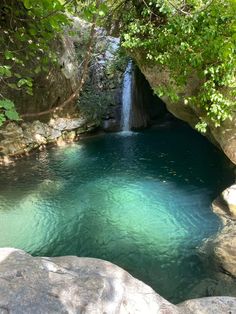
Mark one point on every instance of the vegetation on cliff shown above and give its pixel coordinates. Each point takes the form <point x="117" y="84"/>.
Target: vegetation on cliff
<point x="27" y="29"/>
<point x="183" y="36"/>
<point x="187" y="37"/>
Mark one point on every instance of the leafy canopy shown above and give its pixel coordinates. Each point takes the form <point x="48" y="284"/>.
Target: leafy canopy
<point x="185" y="37"/>
<point x="28" y="28"/>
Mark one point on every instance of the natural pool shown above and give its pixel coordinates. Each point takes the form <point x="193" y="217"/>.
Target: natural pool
<point x="141" y="200"/>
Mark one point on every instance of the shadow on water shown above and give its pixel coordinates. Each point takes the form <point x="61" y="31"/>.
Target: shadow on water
<point x="141" y="201"/>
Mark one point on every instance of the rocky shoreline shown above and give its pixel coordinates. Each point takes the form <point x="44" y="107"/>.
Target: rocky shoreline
<point x="223" y="246"/>
<point x="20" y="139"/>
<point x="71" y="284"/>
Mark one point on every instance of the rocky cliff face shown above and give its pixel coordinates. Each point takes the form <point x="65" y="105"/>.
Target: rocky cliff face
<point x="99" y="100"/>
<point x="147" y="108"/>
<point x="19" y="139"/>
<point x="223" y="246"/>
<point x="50" y="87"/>
<point x="85" y="285"/>
<point x="224" y="136"/>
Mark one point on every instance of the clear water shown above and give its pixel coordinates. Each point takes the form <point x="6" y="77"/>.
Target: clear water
<point x="140" y="200"/>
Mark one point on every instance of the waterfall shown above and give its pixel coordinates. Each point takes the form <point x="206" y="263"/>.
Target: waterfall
<point x="126" y="98"/>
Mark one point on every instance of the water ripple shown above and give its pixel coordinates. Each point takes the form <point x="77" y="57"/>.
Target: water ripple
<point x="141" y="200"/>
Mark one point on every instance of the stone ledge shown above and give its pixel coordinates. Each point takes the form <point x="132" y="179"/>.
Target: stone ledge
<point x="71" y="284"/>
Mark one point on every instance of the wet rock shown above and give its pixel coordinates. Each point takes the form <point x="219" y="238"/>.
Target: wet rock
<point x="69" y="136"/>
<point x="222" y="284"/>
<point x="111" y="125"/>
<point x="13" y="147"/>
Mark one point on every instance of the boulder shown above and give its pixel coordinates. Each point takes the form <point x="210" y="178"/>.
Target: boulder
<point x="229" y="196"/>
<point x="225" y="249"/>
<point x="72" y="285"/>
<point x="212" y="305"/>
<point x="223" y="246"/>
<point x="62" y="124"/>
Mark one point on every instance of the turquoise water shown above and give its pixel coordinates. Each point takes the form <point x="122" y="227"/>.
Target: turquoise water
<point x="140" y="200"/>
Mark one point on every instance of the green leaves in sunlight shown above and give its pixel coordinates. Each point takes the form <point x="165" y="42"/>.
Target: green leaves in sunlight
<point x="7" y="111"/>
<point x="28" y="30"/>
<point x="187" y="37"/>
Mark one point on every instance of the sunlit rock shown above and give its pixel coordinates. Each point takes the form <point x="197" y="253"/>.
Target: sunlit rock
<point x="72" y="285"/>
<point x="229" y="196"/>
<point x="212" y="305"/>
<point x="67" y="123"/>
<point x="224" y="245"/>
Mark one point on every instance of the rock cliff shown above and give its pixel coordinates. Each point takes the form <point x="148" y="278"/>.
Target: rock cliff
<point x="224" y="136"/>
<point x="44" y="120"/>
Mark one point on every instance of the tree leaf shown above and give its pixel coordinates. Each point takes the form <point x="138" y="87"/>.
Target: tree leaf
<point x="12" y="115"/>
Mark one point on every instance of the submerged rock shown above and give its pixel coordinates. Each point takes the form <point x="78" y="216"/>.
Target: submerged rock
<point x="71" y="284"/>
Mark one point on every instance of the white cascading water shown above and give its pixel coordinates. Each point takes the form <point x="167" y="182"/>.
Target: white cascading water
<point x="126" y="98"/>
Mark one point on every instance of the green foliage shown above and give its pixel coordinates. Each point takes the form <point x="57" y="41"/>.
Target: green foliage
<point x="7" y="111"/>
<point x="186" y="37"/>
<point x="28" y="28"/>
<point x="94" y="103"/>
<point x="90" y="9"/>
<point x="189" y="38"/>
<point x="105" y="76"/>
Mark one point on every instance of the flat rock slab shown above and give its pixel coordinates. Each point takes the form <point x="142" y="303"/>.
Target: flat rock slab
<point x="72" y="284"/>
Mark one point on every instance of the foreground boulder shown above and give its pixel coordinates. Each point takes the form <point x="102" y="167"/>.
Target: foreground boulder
<point x="224" y="245"/>
<point x="84" y="285"/>
<point x="212" y="305"/>
<point x="72" y="285"/>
